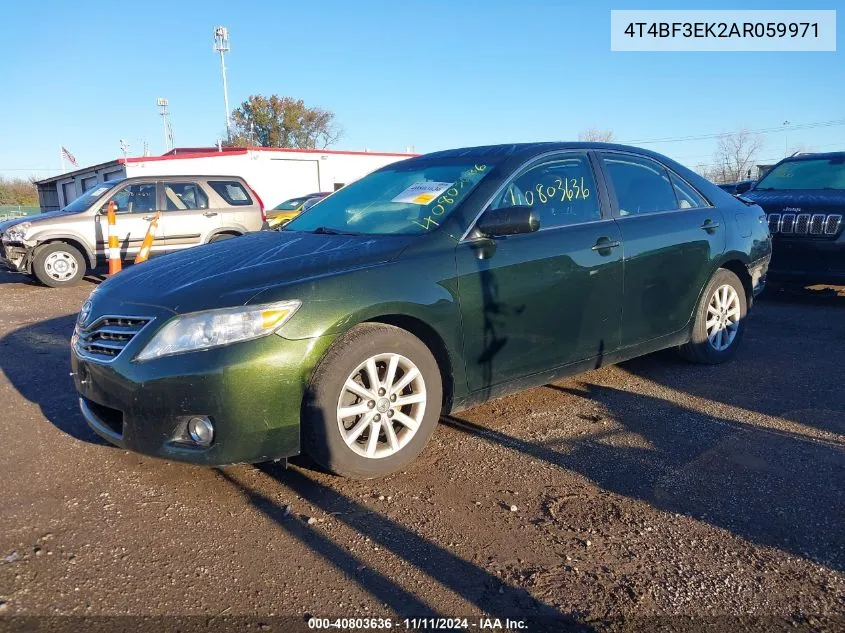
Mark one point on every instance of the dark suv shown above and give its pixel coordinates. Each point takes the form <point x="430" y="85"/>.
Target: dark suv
<point x="804" y="199"/>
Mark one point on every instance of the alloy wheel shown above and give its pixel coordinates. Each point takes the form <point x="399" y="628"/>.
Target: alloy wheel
<point x="722" y="317"/>
<point x="381" y="405"/>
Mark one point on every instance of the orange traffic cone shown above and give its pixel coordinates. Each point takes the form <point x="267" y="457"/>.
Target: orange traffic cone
<point x="114" y="241"/>
<point x="149" y="238"/>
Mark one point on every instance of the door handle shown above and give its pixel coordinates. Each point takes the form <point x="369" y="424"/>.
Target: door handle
<point x="709" y="226"/>
<point x="210" y="214"/>
<point x="605" y="244"/>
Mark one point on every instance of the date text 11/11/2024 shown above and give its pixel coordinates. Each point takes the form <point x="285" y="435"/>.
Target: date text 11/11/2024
<point x="418" y="624"/>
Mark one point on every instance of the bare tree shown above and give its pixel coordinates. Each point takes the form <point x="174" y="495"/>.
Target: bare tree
<point x="735" y="156"/>
<point x="595" y="135"/>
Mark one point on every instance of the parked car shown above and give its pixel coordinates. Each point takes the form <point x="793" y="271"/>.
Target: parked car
<point x="428" y="286"/>
<point x="58" y="248"/>
<point x="289" y="209"/>
<point x="804" y="199"/>
<point x="736" y="188"/>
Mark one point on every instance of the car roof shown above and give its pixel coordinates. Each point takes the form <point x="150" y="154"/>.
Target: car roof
<point x="814" y="156"/>
<point x="524" y="151"/>
<point x="183" y="176"/>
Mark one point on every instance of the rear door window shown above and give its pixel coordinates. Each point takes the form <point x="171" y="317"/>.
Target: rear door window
<point x="180" y="196"/>
<point x="641" y="184"/>
<point x="688" y="198"/>
<point x="233" y="192"/>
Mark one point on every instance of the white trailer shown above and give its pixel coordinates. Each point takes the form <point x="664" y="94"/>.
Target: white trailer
<point x="274" y="174"/>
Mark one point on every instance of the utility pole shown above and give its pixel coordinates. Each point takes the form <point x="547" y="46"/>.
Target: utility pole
<point x="221" y="45"/>
<point x="162" y="104"/>
<point x="786" y="125"/>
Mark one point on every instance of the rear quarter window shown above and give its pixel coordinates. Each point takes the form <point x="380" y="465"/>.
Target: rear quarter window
<point x="233" y="192"/>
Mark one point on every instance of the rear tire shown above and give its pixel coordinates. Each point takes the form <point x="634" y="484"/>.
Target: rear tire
<point x="58" y="265"/>
<point x="221" y="237"/>
<point x="388" y="418"/>
<point x="719" y="321"/>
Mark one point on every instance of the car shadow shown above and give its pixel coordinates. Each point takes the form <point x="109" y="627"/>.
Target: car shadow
<point x="36" y="360"/>
<point x="752" y="481"/>
<point x="787" y="365"/>
<point x="94" y="277"/>
<point x="489" y="593"/>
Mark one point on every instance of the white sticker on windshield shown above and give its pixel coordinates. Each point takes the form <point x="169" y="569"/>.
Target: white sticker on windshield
<point x="99" y="191"/>
<point x="422" y="192"/>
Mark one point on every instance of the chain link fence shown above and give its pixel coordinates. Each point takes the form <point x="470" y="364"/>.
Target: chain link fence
<point x="9" y="212"/>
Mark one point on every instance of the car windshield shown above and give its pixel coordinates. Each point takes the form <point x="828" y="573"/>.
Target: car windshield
<point x="87" y="199"/>
<point x="822" y="173"/>
<point x="407" y="198"/>
<point x="290" y="205"/>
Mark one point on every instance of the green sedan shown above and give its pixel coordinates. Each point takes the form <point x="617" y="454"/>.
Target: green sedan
<point x="429" y="286"/>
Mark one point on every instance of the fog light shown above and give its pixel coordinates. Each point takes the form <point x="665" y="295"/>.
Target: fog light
<point x="201" y="431"/>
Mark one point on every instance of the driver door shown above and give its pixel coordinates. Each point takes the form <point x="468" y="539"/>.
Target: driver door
<point x="136" y="205"/>
<point x="545" y="299"/>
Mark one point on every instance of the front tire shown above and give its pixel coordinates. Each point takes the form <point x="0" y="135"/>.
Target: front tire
<point x="719" y="321"/>
<point x="58" y="265"/>
<point x="373" y="402"/>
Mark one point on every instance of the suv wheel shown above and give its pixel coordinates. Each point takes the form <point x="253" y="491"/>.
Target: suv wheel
<point x="719" y="320"/>
<point x="58" y="264"/>
<point x="373" y="402"/>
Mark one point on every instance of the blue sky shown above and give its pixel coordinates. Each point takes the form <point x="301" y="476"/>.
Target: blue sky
<point x="430" y="75"/>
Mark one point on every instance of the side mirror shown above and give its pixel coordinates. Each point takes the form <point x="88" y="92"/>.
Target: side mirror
<point x="508" y="221"/>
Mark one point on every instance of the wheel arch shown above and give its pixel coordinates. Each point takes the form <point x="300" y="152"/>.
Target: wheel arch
<point x="738" y="266"/>
<point x="234" y="232"/>
<point x="435" y="343"/>
<point x="71" y="240"/>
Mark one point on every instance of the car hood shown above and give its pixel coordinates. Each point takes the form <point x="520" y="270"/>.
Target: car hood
<point x="231" y="272"/>
<point x="31" y="218"/>
<point x="799" y="201"/>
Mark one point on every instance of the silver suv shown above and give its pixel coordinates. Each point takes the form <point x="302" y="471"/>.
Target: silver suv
<point x="59" y="247"/>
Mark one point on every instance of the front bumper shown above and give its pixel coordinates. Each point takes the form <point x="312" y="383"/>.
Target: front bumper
<point x="808" y="261"/>
<point x="252" y="392"/>
<point x="14" y="257"/>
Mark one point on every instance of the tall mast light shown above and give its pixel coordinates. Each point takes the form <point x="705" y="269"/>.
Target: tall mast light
<point x="221" y="45"/>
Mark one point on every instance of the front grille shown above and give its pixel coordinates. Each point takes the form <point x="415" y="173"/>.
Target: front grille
<point x="804" y="224"/>
<point x="106" y="337"/>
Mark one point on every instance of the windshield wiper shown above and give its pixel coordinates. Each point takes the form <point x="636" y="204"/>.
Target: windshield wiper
<point x="325" y="230"/>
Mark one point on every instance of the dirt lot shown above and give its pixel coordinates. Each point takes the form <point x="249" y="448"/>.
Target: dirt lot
<point x="654" y="488"/>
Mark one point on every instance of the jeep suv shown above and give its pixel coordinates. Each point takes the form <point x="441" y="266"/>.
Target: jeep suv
<point x="804" y="199"/>
<point x="58" y="248"/>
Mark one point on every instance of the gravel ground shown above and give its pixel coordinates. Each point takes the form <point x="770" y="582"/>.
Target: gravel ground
<point x="611" y="501"/>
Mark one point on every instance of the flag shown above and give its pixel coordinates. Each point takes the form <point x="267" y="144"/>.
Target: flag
<point x="69" y="157"/>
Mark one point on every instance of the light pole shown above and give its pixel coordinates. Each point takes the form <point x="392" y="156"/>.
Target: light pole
<point x="786" y="138"/>
<point x="221" y="45"/>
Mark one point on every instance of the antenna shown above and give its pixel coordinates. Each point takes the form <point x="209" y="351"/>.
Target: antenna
<point x="124" y="147"/>
<point x="221" y="45"/>
<point x="162" y="104"/>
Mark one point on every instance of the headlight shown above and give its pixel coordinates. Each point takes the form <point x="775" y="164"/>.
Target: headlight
<point x="213" y="328"/>
<point x="17" y="232"/>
